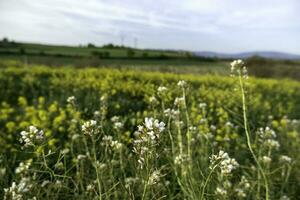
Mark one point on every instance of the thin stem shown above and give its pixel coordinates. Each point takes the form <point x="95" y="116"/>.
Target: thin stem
<point x="188" y="134"/>
<point x="246" y="127"/>
<point x="206" y="181"/>
<point x="96" y="168"/>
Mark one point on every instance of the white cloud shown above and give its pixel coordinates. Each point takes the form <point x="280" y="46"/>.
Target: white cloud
<point x="216" y="25"/>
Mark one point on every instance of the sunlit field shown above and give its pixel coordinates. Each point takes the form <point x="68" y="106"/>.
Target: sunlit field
<point x="103" y="133"/>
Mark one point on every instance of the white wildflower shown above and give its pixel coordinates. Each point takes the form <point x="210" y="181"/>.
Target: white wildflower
<point x="267" y="138"/>
<point x="118" y="125"/>
<point x="17" y="191"/>
<point x="202" y="121"/>
<point x="161" y="89"/>
<point x="220" y="191"/>
<point x="229" y="124"/>
<point x="90" y="188"/>
<point x="236" y="64"/>
<point x="225" y="163"/>
<point x="153" y="100"/>
<point x="97" y="113"/>
<point x="193" y="128"/>
<point x="71" y="100"/>
<point x="116" y="145"/>
<point x="106" y="140"/>
<point x="90" y="127"/>
<point x="202" y="105"/>
<point x="23" y="167"/>
<point x="243" y="187"/>
<point x="171" y="113"/>
<point x="154" y="124"/>
<point x="285" y="159"/>
<point x="147" y="138"/>
<point x="154" y="177"/>
<point x="213" y="127"/>
<point x="30" y="137"/>
<point x="240" y="193"/>
<point x="115" y="119"/>
<point x="179" y="101"/>
<point x="272" y="143"/>
<point x="266" y="160"/>
<point x="245" y="73"/>
<point x="181" y="83"/>
<point x="181" y="159"/>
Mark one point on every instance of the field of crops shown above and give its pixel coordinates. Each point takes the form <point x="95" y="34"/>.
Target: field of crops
<point x="69" y="133"/>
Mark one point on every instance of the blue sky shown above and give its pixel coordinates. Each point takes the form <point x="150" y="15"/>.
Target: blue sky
<point x="227" y="26"/>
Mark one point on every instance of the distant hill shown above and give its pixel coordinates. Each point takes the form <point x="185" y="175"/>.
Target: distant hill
<point x="264" y="54"/>
<point x="111" y="51"/>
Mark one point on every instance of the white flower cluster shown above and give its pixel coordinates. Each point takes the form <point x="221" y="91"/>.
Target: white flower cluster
<point x="171" y="113"/>
<point x="285" y="159"/>
<point x="267" y="137"/>
<point x="161" y="89"/>
<point x="107" y="140"/>
<point x="243" y="187"/>
<point x="17" y="191"/>
<point x="225" y="163"/>
<point x="181" y="83"/>
<point x="71" y="100"/>
<point x="181" y="159"/>
<point x="148" y="135"/>
<point x="115" y="145"/>
<point x="202" y="105"/>
<point x="90" y="188"/>
<point x="90" y="127"/>
<point x="154" y="177"/>
<point x="266" y="160"/>
<point x="97" y="113"/>
<point x="153" y="100"/>
<point x="220" y="191"/>
<point x="28" y="138"/>
<point x="23" y="167"/>
<point x="131" y="181"/>
<point x="238" y="66"/>
<point x="153" y="125"/>
<point x="179" y="101"/>
<point x="117" y="124"/>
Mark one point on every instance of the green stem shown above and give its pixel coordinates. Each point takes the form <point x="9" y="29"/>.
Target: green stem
<point x="246" y="127"/>
<point x="206" y="181"/>
<point x="96" y="168"/>
<point x="188" y="134"/>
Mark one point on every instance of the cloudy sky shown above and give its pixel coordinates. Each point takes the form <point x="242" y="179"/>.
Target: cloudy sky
<point x="227" y="26"/>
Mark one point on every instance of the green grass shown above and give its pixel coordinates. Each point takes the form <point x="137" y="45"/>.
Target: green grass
<point x="156" y="60"/>
<point x="81" y="51"/>
<point x="169" y="65"/>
